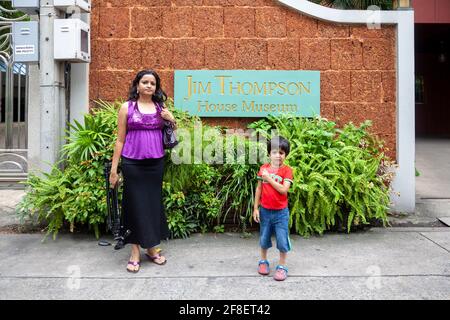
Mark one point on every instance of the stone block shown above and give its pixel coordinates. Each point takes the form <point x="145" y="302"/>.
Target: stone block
<point x="157" y="53"/>
<point x="93" y="85"/>
<point x="390" y="113"/>
<point x="270" y="22"/>
<point x="100" y="54"/>
<point x="208" y="22"/>
<point x="139" y="26"/>
<point x="283" y="54"/>
<point x="327" y="110"/>
<point x="113" y="3"/>
<point x="114" y="23"/>
<point x="241" y="3"/>
<point x="215" y="3"/>
<point x="255" y="3"/>
<point x="134" y="3"/>
<point x="239" y="22"/>
<point x="177" y="22"/>
<point x="251" y="54"/>
<point x="385" y="119"/>
<point x="242" y="123"/>
<point x="167" y="82"/>
<point x="113" y="85"/>
<point x="95" y="22"/>
<point x="230" y="123"/>
<point x="381" y="115"/>
<point x="220" y="54"/>
<point x="335" y="86"/>
<point x="389" y="83"/>
<point x="315" y="54"/>
<point x="181" y="3"/>
<point x="353" y="112"/>
<point x="346" y="54"/>
<point x="363" y="32"/>
<point x="125" y="54"/>
<point x="300" y="26"/>
<point x="379" y="54"/>
<point x="188" y="54"/>
<point x="366" y="86"/>
<point x="333" y="30"/>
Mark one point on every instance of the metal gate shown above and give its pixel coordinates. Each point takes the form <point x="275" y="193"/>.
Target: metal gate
<point x="13" y="107"/>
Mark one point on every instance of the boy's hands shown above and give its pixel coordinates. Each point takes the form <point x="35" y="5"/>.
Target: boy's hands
<point x="265" y="175"/>
<point x="256" y="215"/>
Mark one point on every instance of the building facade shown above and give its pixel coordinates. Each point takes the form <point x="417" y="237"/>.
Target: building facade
<point x="357" y="64"/>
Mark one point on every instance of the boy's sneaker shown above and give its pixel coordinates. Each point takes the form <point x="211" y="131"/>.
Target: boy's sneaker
<point x="263" y="267"/>
<point x="280" y="273"/>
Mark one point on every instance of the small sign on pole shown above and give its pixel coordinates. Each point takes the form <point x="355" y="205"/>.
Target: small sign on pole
<point x="25" y="41"/>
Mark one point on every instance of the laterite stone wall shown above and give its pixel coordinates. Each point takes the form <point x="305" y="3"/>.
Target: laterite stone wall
<point x="357" y="65"/>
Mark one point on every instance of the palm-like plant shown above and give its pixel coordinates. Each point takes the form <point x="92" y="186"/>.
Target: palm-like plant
<point x="94" y="137"/>
<point x="355" y="4"/>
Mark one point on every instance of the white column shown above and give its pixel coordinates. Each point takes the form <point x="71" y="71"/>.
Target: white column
<point x="405" y="180"/>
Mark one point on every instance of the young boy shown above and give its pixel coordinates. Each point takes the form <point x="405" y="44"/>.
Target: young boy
<point x="271" y="205"/>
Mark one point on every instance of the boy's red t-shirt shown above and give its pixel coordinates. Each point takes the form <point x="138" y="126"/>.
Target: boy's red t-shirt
<point x="271" y="198"/>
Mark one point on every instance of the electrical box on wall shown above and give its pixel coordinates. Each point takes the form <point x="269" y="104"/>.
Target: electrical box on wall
<point x="25" y="41"/>
<point x="72" y="40"/>
<point x="26" y="6"/>
<point x="73" y="5"/>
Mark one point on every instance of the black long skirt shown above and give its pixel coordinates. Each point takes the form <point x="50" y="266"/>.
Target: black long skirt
<point x="142" y="207"/>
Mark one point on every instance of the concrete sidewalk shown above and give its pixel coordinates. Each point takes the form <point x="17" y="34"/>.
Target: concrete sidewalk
<point x="9" y="199"/>
<point x="392" y="263"/>
<point x="408" y="262"/>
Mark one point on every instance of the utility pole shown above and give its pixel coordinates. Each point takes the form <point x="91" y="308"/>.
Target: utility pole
<point x="52" y="101"/>
<point x="63" y="39"/>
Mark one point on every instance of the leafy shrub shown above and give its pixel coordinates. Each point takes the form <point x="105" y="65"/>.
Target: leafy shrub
<point x="340" y="176"/>
<point x="179" y="218"/>
<point x="76" y="195"/>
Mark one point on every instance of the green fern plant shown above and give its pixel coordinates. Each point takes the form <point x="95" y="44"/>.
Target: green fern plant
<point x="341" y="178"/>
<point x="337" y="183"/>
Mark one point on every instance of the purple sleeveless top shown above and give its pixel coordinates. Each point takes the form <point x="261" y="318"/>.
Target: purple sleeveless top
<point x="144" y="134"/>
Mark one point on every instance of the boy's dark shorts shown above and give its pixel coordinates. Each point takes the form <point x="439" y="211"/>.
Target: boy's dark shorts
<point x="274" y="221"/>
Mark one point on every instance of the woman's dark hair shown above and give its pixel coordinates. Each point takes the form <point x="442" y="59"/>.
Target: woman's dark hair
<point x="159" y="96"/>
<point x="278" y="142"/>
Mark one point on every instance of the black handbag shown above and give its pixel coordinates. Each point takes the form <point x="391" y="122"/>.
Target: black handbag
<point x="169" y="138"/>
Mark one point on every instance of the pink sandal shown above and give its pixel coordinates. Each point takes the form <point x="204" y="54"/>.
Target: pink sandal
<point x="281" y="273"/>
<point x="156" y="257"/>
<point x="263" y="267"/>
<point x="134" y="264"/>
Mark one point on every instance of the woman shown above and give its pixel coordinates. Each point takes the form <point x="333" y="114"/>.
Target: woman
<point x="140" y="146"/>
